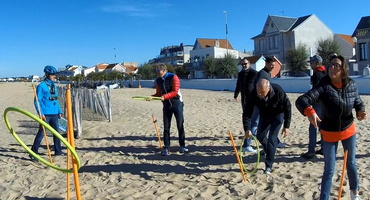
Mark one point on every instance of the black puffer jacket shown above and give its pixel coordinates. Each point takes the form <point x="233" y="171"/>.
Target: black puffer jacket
<point x="336" y="104"/>
<point x="245" y="83"/>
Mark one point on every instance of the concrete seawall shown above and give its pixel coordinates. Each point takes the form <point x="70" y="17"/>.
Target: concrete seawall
<point x="290" y="85"/>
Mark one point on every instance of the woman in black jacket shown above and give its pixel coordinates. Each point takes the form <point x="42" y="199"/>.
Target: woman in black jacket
<point x="338" y="96"/>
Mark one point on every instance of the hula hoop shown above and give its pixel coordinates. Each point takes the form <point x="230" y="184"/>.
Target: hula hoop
<point x="258" y="155"/>
<point x="146" y="98"/>
<point x="47" y="126"/>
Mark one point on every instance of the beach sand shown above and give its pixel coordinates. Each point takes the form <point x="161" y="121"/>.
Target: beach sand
<point x="121" y="159"/>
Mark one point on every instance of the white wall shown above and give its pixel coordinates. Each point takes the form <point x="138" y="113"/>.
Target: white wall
<point x="346" y="48"/>
<point x="310" y="32"/>
<point x="290" y="85"/>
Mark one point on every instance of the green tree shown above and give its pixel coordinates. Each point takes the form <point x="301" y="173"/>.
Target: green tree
<point x="114" y="76"/>
<point x="79" y="78"/>
<point x="92" y="76"/>
<point x="297" y="58"/>
<point x="170" y="68"/>
<point x="181" y="72"/>
<point x="227" y="66"/>
<point x="147" y="72"/>
<point x="325" y="48"/>
<point x="210" y="67"/>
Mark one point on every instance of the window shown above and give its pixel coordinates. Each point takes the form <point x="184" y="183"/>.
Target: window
<point x="363" y="51"/>
<point x="261" y="45"/>
<point x="273" y="42"/>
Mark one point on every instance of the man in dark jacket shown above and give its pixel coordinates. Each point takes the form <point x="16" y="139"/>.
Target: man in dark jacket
<point x="275" y="111"/>
<point x="245" y="85"/>
<point x="318" y="73"/>
<point x="265" y="73"/>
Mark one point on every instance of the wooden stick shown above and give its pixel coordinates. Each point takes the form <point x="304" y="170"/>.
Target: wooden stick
<point x="43" y="128"/>
<point x="237" y="156"/>
<point x="343" y="173"/>
<point x="157" y="131"/>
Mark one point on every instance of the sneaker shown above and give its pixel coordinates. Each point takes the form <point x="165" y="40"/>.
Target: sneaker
<point x="184" y="150"/>
<point x="267" y="170"/>
<point x="308" y="155"/>
<point x="319" y="152"/>
<point x="165" y="152"/>
<point x="59" y="154"/>
<point x="249" y="149"/>
<point x="281" y="145"/>
<point x="33" y="159"/>
<point x="354" y="196"/>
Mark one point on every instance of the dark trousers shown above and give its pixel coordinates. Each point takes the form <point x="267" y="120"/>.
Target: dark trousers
<point x="271" y="127"/>
<point x="176" y="110"/>
<point x="52" y="120"/>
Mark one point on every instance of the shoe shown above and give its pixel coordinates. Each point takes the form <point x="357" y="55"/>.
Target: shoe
<point x="262" y="153"/>
<point x="184" y="150"/>
<point x="59" y="154"/>
<point x="354" y="196"/>
<point x="319" y="152"/>
<point x="281" y="145"/>
<point x="33" y="159"/>
<point x="249" y="149"/>
<point x="267" y="170"/>
<point x="308" y="155"/>
<point x="165" y="152"/>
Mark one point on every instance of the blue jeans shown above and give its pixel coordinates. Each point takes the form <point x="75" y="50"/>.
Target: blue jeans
<point x="330" y="151"/>
<point x="178" y="111"/>
<point x="312" y="131"/>
<point x="271" y="127"/>
<point x="52" y="120"/>
<point x="254" y="123"/>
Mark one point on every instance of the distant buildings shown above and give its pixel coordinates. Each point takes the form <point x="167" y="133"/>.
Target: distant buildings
<point x="175" y="55"/>
<point x="214" y="48"/>
<point x="361" y="38"/>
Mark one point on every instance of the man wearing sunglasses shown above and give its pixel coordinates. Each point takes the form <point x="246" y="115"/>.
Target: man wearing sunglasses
<point x="167" y="87"/>
<point x="245" y="85"/>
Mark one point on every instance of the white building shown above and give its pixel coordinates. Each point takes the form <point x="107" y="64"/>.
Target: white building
<point x="214" y="48"/>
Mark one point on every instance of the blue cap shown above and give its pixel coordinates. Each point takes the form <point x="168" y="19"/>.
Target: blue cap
<point x="316" y="58"/>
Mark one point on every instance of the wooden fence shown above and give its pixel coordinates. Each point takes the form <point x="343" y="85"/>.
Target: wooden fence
<point x="98" y="101"/>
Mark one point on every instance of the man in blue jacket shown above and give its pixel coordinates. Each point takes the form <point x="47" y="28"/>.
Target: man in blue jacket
<point x="47" y="106"/>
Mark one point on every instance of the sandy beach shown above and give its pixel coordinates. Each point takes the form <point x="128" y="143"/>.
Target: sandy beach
<point x="121" y="159"/>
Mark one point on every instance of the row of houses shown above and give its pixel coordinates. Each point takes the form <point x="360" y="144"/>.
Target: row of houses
<point x="279" y="34"/>
<point x="125" y="68"/>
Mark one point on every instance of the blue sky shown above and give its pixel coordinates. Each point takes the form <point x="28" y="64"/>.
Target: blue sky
<point x="35" y="33"/>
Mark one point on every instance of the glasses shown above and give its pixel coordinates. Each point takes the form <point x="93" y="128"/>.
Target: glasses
<point x="245" y="64"/>
<point x="158" y="70"/>
<point x="335" y="65"/>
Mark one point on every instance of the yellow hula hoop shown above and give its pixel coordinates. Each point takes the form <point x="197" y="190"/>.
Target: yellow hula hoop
<point x="146" y="98"/>
<point x="258" y="155"/>
<point x="47" y="126"/>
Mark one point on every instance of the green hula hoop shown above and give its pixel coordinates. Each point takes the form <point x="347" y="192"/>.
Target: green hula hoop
<point x="47" y="126"/>
<point x="258" y="155"/>
<point x="146" y="98"/>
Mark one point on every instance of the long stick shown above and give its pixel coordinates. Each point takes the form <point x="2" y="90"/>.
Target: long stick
<point x="343" y="174"/>
<point x="237" y="156"/>
<point x="71" y="140"/>
<point x="157" y="132"/>
<point x="43" y="128"/>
